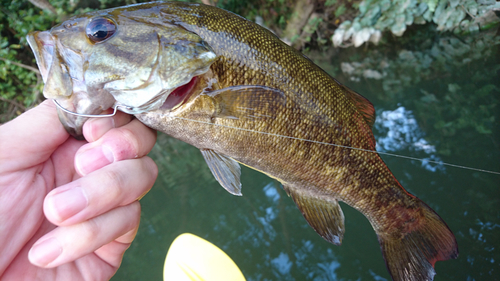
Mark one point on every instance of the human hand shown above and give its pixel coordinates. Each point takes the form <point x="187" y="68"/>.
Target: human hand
<point x="88" y="191"/>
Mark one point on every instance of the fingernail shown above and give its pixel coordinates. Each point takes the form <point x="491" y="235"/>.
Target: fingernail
<point x="93" y="159"/>
<point x="106" y="123"/>
<point x="41" y="254"/>
<point x="96" y="127"/>
<point x="67" y="203"/>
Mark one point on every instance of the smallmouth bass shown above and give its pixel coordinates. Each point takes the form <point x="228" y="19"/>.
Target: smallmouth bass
<point x="235" y="91"/>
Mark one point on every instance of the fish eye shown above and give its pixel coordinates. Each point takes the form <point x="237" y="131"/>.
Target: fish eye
<point x="100" y="29"/>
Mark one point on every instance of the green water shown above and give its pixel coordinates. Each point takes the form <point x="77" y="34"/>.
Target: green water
<point x="437" y="100"/>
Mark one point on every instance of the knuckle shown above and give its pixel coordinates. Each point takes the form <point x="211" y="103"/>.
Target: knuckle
<point x="135" y="213"/>
<point x="128" y="144"/>
<point x="113" y="181"/>
<point x="91" y="229"/>
<point x="134" y="217"/>
<point x="151" y="166"/>
<point x="129" y="231"/>
<point x="148" y="170"/>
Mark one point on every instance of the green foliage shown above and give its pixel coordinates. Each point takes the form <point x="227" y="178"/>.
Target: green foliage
<point x="375" y="16"/>
<point x="20" y="83"/>
<point x="274" y="14"/>
<point x="330" y="2"/>
<point x="340" y="10"/>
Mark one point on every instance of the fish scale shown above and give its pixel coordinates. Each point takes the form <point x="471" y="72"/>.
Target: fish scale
<point x="256" y="102"/>
<point x="358" y="178"/>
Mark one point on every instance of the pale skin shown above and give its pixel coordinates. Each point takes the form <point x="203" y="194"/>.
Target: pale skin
<point x="69" y="209"/>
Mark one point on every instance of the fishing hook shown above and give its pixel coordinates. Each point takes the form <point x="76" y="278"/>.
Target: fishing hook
<point x="115" y="108"/>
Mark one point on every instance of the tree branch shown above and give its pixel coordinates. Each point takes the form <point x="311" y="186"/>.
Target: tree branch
<point x="22" y="65"/>
<point x="13" y="103"/>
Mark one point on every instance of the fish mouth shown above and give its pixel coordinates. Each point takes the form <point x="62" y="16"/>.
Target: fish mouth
<point x="43" y="45"/>
<point x="55" y="74"/>
<point x="70" y="94"/>
<point x="76" y="97"/>
<point x="44" y="48"/>
<point x="178" y="96"/>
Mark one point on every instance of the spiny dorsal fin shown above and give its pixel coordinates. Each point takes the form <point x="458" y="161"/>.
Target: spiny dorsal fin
<point x="364" y="106"/>
<point x="225" y="170"/>
<point x="247" y="102"/>
<point x="324" y="215"/>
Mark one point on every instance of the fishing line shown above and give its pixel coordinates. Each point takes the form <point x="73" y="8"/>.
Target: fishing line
<point x="287" y="137"/>
<point x="343" y="146"/>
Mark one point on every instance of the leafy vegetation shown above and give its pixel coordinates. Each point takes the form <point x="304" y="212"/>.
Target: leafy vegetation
<point x="20" y="82"/>
<point x="376" y="16"/>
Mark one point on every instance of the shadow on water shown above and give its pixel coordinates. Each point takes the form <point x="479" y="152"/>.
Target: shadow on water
<point x="437" y="98"/>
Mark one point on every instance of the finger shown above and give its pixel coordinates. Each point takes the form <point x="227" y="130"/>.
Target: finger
<point x="36" y="134"/>
<point x="95" y="128"/>
<point x="118" y="184"/>
<point x="68" y="243"/>
<point x="112" y="252"/>
<point x="133" y="140"/>
<point x="62" y="163"/>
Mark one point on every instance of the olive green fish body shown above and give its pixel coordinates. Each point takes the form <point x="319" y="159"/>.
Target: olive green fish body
<point x="246" y="97"/>
<point x="292" y="144"/>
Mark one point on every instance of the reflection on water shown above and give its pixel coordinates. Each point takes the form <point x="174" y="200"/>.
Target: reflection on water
<point x="399" y="131"/>
<point x="266" y="235"/>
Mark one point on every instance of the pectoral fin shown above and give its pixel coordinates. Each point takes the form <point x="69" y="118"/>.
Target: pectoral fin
<point x="325" y="216"/>
<point x="247" y="102"/>
<point x="225" y="170"/>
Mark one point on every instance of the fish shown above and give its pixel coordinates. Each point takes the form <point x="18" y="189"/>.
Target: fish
<point x="234" y="90"/>
<point x="87" y="75"/>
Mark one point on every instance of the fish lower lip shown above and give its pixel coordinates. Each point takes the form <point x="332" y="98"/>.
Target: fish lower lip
<point x="179" y="95"/>
<point x="43" y="46"/>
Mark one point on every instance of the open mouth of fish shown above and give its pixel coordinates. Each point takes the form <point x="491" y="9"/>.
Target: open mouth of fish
<point x="179" y="95"/>
<point x="65" y="83"/>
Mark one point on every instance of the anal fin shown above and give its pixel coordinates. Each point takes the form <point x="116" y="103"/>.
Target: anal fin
<point x="324" y="215"/>
<point x="225" y="170"/>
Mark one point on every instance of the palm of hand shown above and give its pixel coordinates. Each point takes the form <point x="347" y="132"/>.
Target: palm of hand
<point x="77" y="224"/>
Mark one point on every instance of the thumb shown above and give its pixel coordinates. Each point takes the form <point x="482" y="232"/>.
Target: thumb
<point x="31" y="138"/>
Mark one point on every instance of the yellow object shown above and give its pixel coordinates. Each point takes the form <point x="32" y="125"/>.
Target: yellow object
<point x="192" y="258"/>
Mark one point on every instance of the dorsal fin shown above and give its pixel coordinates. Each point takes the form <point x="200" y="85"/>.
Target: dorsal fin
<point x="365" y="116"/>
<point x="364" y="106"/>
